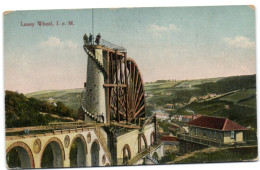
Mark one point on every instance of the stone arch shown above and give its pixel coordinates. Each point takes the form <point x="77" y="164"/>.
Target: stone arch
<point x="152" y="138"/>
<point x="94" y="150"/>
<point x="81" y="149"/>
<point x="24" y="153"/>
<point x="57" y="150"/>
<point x="141" y="139"/>
<point x="126" y="153"/>
<point x="155" y="156"/>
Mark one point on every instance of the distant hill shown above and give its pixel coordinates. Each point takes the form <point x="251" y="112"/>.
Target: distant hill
<point x="182" y="91"/>
<point x="244" y="97"/>
<point x="160" y="93"/>
<point x="229" y="84"/>
<point x="71" y="97"/>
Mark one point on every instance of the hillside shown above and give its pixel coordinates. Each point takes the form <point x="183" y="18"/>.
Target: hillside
<point x="232" y="97"/>
<point x="70" y="97"/>
<point x="214" y="155"/>
<point x="229" y="84"/>
<point x="21" y="111"/>
<point x="239" y="106"/>
<point x="182" y="91"/>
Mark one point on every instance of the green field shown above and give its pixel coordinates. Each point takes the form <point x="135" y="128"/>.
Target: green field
<point x="53" y="93"/>
<point x="192" y="83"/>
<point x="241" y="95"/>
<point x="226" y="155"/>
<point x="248" y="103"/>
<point x="158" y="88"/>
<point x="71" y="97"/>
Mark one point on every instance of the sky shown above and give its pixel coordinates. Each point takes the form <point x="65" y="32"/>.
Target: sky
<point x="167" y="43"/>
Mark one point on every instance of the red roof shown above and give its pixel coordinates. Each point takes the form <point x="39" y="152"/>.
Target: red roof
<point x="169" y="138"/>
<point x="173" y="127"/>
<point x="218" y="123"/>
<point x="165" y="133"/>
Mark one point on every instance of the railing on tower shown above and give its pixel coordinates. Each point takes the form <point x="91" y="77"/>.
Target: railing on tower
<point x="111" y="45"/>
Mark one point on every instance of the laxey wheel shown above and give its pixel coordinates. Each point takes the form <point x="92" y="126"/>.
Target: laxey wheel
<point x="128" y="96"/>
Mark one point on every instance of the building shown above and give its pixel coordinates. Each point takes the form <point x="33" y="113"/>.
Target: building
<point x="169" y="106"/>
<point x="171" y="143"/>
<point x="211" y="131"/>
<point x="184" y="118"/>
<point x="174" y="128"/>
<point x="168" y="93"/>
<point x="162" y="116"/>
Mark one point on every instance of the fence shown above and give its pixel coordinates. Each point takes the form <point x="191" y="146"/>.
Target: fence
<point x="111" y="45"/>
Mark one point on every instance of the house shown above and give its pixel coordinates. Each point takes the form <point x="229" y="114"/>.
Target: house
<point x="179" y="105"/>
<point x="169" y="140"/>
<point x="174" y="128"/>
<point x="193" y="99"/>
<point x="211" y="131"/>
<point x="217" y="128"/>
<point x="165" y="134"/>
<point x="169" y="106"/>
<point x="168" y="93"/>
<point x="162" y="116"/>
<point x="54" y="104"/>
<point x="171" y="143"/>
<point x="187" y="118"/>
<point x="184" y="118"/>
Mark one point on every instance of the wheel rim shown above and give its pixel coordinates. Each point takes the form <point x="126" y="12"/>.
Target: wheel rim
<point x="131" y="98"/>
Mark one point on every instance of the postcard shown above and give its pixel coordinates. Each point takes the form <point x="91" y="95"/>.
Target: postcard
<point x="130" y="86"/>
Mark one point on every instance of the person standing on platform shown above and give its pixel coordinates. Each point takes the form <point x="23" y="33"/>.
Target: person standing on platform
<point x="98" y="37"/>
<point x="90" y="38"/>
<point x="85" y="39"/>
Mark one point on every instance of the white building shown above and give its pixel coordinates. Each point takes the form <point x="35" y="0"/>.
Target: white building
<point x="162" y="116"/>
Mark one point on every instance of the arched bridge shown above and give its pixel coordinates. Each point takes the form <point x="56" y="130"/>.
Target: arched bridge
<point x="88" y="141"/>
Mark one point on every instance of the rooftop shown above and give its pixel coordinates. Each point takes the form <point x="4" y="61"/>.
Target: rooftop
<point x="169" y="138"/>
<point x="218" y="123"/>
<point x="162" y="114"/>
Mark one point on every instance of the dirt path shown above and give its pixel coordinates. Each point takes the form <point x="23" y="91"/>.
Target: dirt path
<point x="206" y="150"/>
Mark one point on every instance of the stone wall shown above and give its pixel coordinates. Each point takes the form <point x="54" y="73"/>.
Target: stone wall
<point x="131" y="139"/>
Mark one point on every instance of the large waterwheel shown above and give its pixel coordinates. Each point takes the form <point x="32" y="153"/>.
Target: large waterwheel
<point x="126" y="95"/>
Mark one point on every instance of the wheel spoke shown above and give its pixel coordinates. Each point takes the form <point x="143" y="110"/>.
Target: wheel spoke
<point x="129" y="99"/>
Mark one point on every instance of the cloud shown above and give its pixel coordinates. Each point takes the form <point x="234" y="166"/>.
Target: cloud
<point x="158" y="31"/>
<point x="54" y="42"/>
<point x="240" y="42"/>
<point x="158" y="28"/>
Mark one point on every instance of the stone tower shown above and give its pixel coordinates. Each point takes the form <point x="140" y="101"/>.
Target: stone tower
<point x="93" y="96"/>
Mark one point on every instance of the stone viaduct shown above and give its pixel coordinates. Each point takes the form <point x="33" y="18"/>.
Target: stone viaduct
<point x="91" y="141"/>
<point x="91" y="147"/>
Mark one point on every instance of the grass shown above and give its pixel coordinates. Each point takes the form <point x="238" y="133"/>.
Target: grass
<point x="158" y="88"/>
<point x="198" y="81"/>
<point x="248" y="103"/>
<point x="241" y="95"/>
<point x="205" y="108"/>
<point x="53" y="93"/>
<point x="70" y="97"/>
<point x="224" y="155"/>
